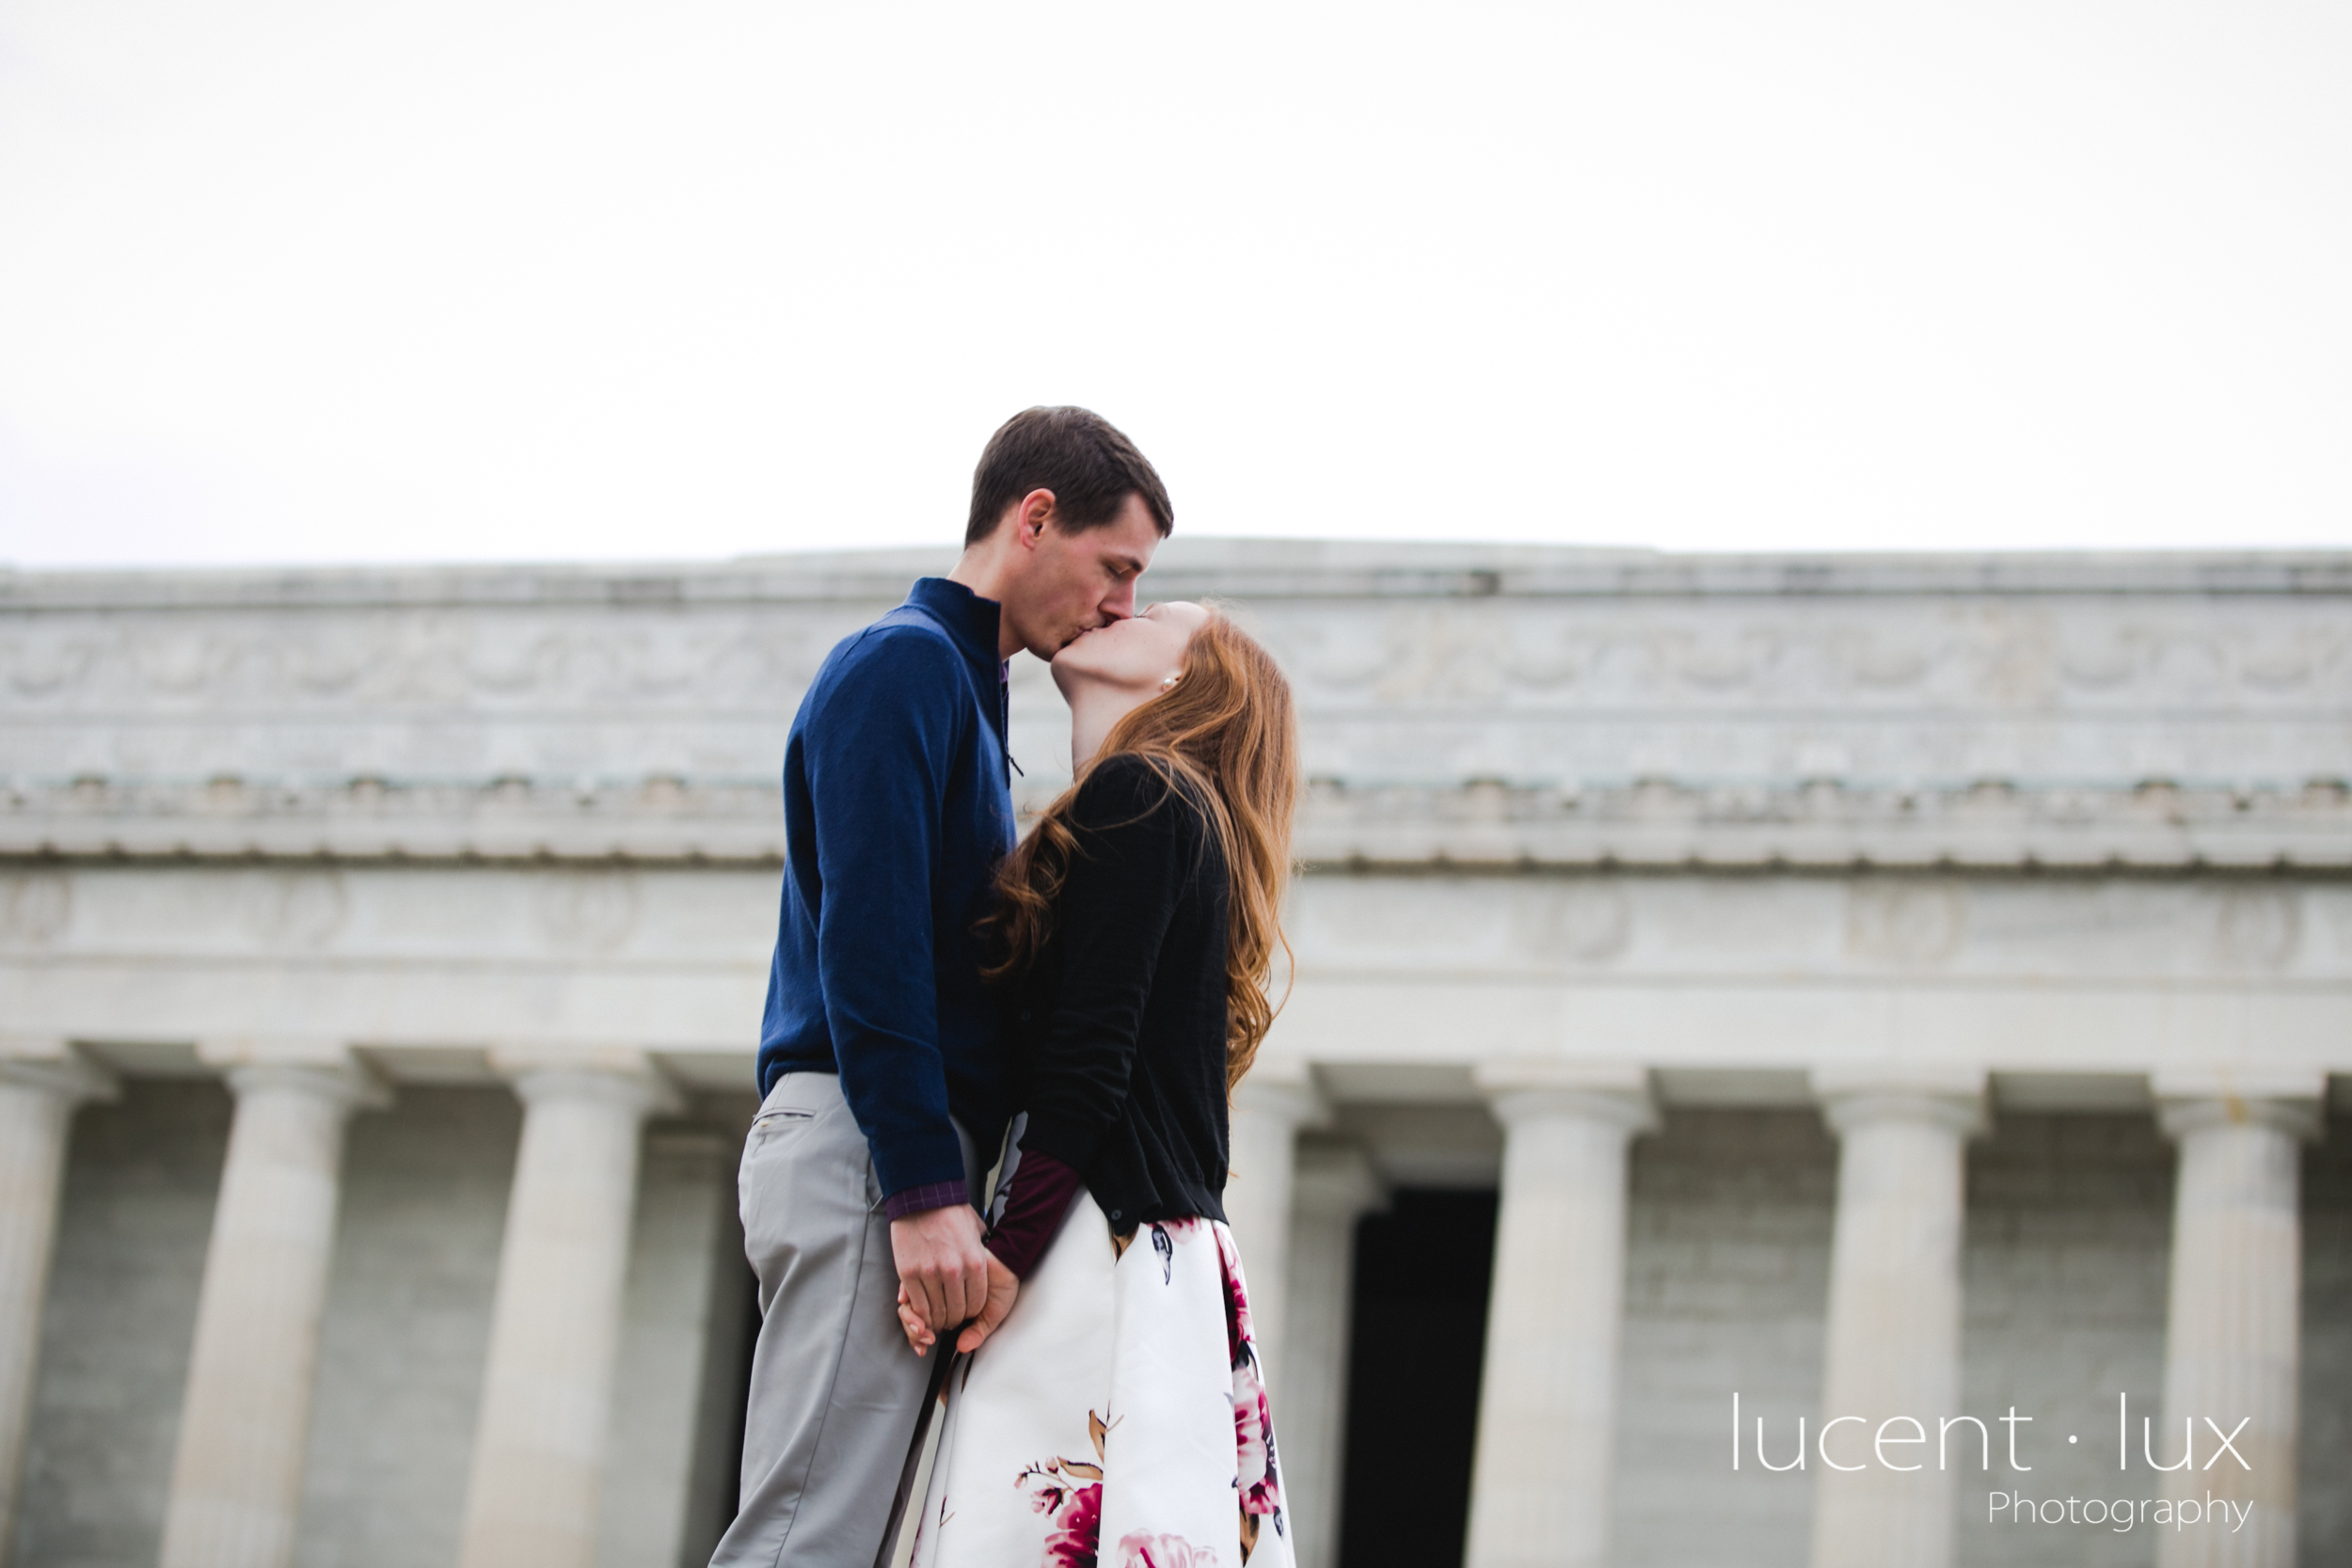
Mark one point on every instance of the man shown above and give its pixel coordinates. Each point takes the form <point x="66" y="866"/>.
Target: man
<point x="880" y="1069"/>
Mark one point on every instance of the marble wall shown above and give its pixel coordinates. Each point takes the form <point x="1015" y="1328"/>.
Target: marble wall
<point x="424" y="1209"/>
<point x="136" y="1210"/>
<point x="2069" y="1220"/>
<point x="1726" y="1288"/>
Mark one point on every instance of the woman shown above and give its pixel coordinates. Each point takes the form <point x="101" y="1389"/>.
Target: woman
<point x="1119" y="1416"/>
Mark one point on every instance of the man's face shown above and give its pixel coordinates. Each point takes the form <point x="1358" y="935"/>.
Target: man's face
<point x="1074" y="582"/>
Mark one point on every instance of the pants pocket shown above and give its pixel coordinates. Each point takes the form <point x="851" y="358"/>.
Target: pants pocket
<point x="772" y="1130"/>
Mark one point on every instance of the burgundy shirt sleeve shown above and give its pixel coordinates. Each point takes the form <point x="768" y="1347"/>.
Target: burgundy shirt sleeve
<point x="1043" y="1187"/>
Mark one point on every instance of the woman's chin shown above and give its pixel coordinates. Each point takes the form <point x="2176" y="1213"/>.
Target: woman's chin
<point x="1095" y="665"/>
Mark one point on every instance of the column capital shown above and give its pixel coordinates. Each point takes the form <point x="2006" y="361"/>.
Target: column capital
<point x="1615" y="1093"/>
<point x="307" y="1064"/>
<point x="610" y="1075"/>
<point x="1283" y="1088"/>
<point x="1951" y="1097"/>
<point x="346" y="1085"/>
<point x="1336" y="1180"/>
<point x="56" y="1066"/>
<point x="2191" y="1102"/>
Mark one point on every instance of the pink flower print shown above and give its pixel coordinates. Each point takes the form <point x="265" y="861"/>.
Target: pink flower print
<point x="1237" y="1334"/>
<point x="1257" y="1473"/>
<point x="1253" y="1448"/>
<point x="1077" y="1531"/>
<point x="1138" y="1550"/>
<point x="1071" y="1494"/>
<point x="1257" y="1476"/>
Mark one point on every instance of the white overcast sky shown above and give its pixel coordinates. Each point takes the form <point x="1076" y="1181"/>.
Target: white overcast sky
<point x="367" y="282"/>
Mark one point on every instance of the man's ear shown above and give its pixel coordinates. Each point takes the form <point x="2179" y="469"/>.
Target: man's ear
<point x="1035" y="515"/>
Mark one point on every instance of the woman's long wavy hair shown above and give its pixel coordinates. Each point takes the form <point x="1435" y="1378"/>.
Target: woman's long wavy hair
<point x="1227" y="729"/>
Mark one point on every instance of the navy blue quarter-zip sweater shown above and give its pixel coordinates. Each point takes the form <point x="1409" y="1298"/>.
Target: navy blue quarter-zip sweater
<point x="898" y="806"/>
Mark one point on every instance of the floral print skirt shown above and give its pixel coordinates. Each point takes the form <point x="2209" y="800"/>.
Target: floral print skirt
<point x="1119" y="1418"/>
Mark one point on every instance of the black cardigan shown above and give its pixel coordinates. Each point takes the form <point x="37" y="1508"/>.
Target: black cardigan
<point x="1121" y="1023"/>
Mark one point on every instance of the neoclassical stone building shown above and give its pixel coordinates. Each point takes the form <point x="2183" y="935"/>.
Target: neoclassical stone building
<point x="1914" y="989"/>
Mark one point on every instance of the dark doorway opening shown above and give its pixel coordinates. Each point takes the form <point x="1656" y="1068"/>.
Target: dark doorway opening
<point x="1419" y="1338"/>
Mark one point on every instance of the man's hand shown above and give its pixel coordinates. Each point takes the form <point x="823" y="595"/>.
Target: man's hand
<point x="1002" y="1287"/>
<point x="943" y="1268"/>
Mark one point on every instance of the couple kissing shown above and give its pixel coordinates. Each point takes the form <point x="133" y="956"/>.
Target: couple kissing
<point x="1072" y="1010"/>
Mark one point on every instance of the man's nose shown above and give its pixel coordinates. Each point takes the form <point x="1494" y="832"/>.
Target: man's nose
<point x="1120" y="604"/>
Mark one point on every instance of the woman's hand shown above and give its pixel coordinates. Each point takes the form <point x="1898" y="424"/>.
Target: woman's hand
<point x="918" y="1333"/>
<point x="1003" y="1286"/>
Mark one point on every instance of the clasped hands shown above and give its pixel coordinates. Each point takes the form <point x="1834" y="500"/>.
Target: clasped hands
<point x="947" y="1278"/>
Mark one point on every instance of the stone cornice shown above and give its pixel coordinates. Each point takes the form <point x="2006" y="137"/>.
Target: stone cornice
<point x="1284" y="568"/>
<point x="1471" y="826"/>
<point x="1829" y="826"/>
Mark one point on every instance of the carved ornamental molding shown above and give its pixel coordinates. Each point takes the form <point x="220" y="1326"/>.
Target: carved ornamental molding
<point x="1489" y="705"/>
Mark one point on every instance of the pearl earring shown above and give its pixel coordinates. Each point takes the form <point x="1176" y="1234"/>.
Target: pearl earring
<point x="1170" y="681"/>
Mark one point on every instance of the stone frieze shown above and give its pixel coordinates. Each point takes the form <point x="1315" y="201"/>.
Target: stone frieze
<point x="1484" y="705"/>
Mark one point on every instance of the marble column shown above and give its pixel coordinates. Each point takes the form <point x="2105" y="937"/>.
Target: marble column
<point x="42" y="1082"/>
<point x="2233" y="1333"/>
<point x="1333" y="1188"/>
<point x="1273" y="1102"/>
<point x="1892" y="1338"/>
<point x="236" y="1479"/>
<point x="555" y="1328"/>
<point x="1541" y="1481"/>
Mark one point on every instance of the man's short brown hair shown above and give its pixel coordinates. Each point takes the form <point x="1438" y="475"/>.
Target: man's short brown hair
<point x="1077" y="454"/>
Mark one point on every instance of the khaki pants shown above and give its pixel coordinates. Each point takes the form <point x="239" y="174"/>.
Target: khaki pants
<point x="834" y="1389"/>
